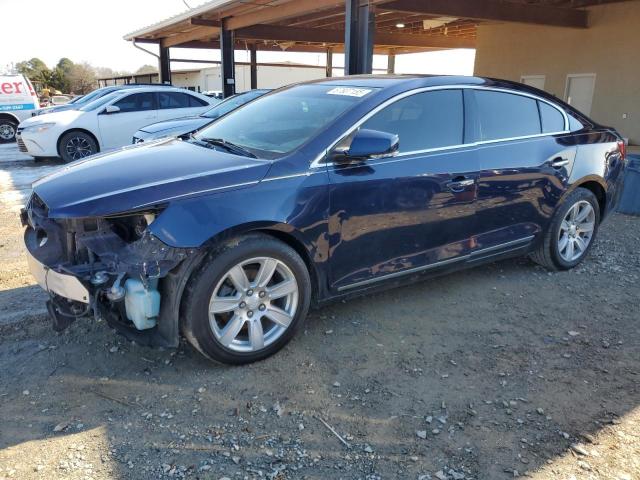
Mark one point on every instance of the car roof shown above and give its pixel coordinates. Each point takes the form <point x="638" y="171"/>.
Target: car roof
<point x="156" y="89"/>
<point x="423" y="81"/>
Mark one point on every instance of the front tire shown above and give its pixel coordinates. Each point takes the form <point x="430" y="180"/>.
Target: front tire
<point x="571" y="233"/>
<point x="247" y="301"/>
<point x="8" y="130"/>
<point x="77" y="145"/>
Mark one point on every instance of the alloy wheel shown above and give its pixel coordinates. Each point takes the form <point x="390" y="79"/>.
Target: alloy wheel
<point x="7" y="131"/>
<point x="253" y="304"/>
<point x="576" y="231"/>
<point x="78" y="147"/>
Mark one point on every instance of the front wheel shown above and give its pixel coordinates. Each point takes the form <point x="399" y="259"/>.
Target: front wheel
<point x="247" y="301"/>
<point x="571" y="233"/>
<point x="77" y="145"/>
<point x="7" y="130"/>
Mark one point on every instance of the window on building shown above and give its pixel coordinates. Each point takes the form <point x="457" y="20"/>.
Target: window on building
<point x="422" y="121"/>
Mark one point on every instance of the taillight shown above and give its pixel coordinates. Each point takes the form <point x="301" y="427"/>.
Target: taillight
<point x="622" y="148"/>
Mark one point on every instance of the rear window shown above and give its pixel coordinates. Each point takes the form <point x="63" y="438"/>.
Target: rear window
<point x="137" y="102"/>
<point x="506" y="115"/>
<point x="552" y="119"/>
<point x="178" y="100"/>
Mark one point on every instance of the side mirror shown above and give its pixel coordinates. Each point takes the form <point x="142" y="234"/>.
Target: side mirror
<point x="368" y="144"/>
<point x="111" y="109"/>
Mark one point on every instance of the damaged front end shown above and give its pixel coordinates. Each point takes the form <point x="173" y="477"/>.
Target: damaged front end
<point x="111" y="267"/>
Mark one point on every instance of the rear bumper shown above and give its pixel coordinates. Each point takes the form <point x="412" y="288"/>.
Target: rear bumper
<point x="66" y="286"/>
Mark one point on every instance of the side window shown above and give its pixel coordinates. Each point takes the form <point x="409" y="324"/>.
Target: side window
<point x="196" y="102"/>
<point x="506" y="115"/>
<point x="136" y="102"/>
<point x="173" y="100"/>
<point x="552" y="119"/>
<point x="422" y="121"/>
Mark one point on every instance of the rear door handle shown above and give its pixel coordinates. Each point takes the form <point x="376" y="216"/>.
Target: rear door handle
<point x="459" y="184"/>
<point x="559" y="162"/>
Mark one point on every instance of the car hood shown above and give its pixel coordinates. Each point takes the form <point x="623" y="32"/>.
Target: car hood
<point x="142" y="176"/>
<point x="63" y="118"/>
<point x="187" y="124"/>
<point x="56" y="108"/>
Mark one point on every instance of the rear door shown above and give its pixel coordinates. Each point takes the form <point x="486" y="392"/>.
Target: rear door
<point x="177" y="104"/>
<point x="525" y="157"/>
<point x="136" y="111"/>
<point x="397" y="215"/>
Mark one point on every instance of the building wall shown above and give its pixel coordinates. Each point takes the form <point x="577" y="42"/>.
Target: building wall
<point x="610" y="48"/>
<point x="268" y="76"/>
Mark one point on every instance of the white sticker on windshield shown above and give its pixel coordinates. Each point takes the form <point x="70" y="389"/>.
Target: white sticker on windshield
<point x="349" y="91"/>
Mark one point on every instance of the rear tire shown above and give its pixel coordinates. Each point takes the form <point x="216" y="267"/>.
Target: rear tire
<point x="77" y="145"/>
<point x="247" y="300"/>
<point x="8" y="130"/>
<point x="571" y="233"/>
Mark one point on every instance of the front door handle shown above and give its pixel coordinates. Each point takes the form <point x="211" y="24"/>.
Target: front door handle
<point x="459" y="184"/>
<point x="559" y="162"/>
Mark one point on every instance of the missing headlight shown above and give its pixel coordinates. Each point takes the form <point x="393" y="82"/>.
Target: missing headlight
<point x="131" y="227"/>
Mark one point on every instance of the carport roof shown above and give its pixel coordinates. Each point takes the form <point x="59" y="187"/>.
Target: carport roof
<point x="315" y="25"/>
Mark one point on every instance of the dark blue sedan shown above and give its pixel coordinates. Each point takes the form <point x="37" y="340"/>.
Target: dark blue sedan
<point x="315" y="192"/>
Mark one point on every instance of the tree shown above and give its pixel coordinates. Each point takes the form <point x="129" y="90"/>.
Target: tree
<point x="35" y="70"/>
<point x="146" y="69"/>
<point x="60" y="76"/>
<point x="82" y="78"/>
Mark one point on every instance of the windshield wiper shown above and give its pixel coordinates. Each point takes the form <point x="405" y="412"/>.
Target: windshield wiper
<point x="228" y="146"/>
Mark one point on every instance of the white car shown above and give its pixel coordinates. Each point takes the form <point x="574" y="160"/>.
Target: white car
<point x="106" y="123"/>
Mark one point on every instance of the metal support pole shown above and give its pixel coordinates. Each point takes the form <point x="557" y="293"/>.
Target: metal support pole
<point x="228" y="61"/>
<point x="165" y="65"/>
<point x="253" y="52"/>
<point x="359" y="32"/>
<point x="329" y="68"/>
<point x="391" y="62"/>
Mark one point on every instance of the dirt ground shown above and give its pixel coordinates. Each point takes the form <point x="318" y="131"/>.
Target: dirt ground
<point x="498" y="372"/>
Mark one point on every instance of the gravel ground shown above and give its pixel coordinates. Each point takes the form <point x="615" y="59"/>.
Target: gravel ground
<point x="498" y="372"/>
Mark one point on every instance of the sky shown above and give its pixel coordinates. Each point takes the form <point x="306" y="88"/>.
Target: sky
<point x="92" y="31"/>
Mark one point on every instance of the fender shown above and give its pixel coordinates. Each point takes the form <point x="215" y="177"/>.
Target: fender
<point x="300" y="218"/>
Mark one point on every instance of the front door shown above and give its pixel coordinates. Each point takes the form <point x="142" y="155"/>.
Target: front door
<point x="136" y="111"/>
<point x="406" y="213"/>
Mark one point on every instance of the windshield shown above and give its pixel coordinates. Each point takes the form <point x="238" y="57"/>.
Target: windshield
<point x="232" y="103"/>
<point x="277" y="124"/>
<point x="98" y="102"/>
<point x="89" y="97"/>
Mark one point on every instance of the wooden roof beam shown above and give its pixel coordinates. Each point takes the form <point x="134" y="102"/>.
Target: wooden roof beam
<point x="280" y="12"/>
<point x="199" y="33"/>
<point x="317" y="35"/>
<point x="493" y="10"/>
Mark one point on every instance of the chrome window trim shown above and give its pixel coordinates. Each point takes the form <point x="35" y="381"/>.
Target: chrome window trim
<point x="318" y="163"/>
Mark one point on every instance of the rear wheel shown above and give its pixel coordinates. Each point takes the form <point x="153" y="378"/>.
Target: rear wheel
<point x="77" y="145"/>
<point x="247" y="301"/>
<point x="571" y="233"/>
<point x="7" y="130"/>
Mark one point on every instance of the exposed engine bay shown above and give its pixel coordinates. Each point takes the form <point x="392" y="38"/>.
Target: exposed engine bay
<point x="115" y="258"/>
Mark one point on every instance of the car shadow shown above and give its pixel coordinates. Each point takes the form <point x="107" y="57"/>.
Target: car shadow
<point x="500" y="368"/>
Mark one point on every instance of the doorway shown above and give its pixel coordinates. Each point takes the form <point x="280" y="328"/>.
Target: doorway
<point x="579" y="91"/>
